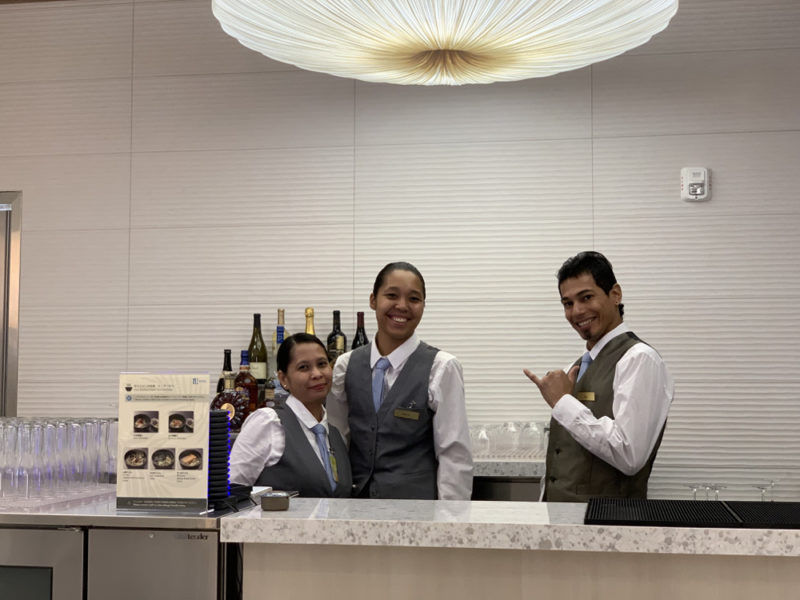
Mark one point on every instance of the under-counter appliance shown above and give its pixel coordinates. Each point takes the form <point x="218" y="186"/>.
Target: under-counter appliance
<point x="41" y="564"/>
<point x="85" y="549"/>
<point x="131" y="564"/>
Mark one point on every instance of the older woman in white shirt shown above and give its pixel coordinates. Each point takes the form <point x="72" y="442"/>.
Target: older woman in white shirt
<point x="293" y="447"/>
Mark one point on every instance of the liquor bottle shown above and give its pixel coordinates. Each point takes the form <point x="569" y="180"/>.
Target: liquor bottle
<point x="310" y="321"/>
<point x="278" y="335"/>
<point x="361" y="335"/>
<point x="226" y="366"/>
<point x="337" y="341"/>
<point x="274" y="387"/>
<point x="232" y="401"/>
<point x="258" y="352"/>
<point x="245" y="382"/>
<point x="341" y="348"/>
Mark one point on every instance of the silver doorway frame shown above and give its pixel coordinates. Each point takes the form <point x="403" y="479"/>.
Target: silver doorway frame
<point x="11" y="204"/>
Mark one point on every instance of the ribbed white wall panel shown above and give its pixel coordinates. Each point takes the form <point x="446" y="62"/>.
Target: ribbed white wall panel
<point x="154" y="329"/>
<point x="183" y="38"/>
<point x="724" y="25"/>
<point x="271" y="188"/>
<point x="68" y="192"/>
<point x="558" y="107"/>
<point x="238" y="266"/>
<point x="697" y="93"/>
<point x="98" y="39"/>
<point x="458" y="183"/>
<point x="175" y="182"/>
<point x="70" y="359"/>
<point x="65" y="117"/>
<point x="476" y="262"/>
<point x="223" y="112"/>
<point x="707" y="256"/>
<point x="74" y="268"/>
<point x="751" y="173"/>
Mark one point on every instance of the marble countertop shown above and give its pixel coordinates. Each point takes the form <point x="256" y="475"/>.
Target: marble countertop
<point x="486" y="525"/>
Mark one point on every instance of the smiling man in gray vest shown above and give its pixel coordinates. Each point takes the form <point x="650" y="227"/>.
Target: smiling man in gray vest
<point x="609" y="411"/>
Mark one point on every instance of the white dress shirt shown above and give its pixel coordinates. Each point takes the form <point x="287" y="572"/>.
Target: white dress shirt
<point x="643" y="390"/>
<point x="262" y="441"/>
<point x="446" y="400"/>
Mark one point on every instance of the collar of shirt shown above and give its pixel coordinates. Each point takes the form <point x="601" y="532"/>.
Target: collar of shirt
<point x="619" y="329"/>
<point x="305" y="417"/>
<point x="397" y="358"/>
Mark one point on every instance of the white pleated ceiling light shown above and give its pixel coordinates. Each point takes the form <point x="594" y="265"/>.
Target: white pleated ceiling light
<point x="442" y="42"/>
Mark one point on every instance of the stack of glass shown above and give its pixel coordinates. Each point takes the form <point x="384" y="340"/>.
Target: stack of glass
<point x="55" y="457"/>
<point x="510" y="440"/>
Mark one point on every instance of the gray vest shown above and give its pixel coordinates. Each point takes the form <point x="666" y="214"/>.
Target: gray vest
<point x="300" y="469"/>
<point x="391" y="452"/>
<point x="573" y="473"/>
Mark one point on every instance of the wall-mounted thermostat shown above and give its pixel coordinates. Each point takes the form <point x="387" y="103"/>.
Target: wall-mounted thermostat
<point x="695" y="184"/>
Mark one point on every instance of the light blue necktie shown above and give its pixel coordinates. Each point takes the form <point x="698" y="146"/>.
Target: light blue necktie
<point x="586" y="360"/>
<point x="377" y="381"/>
<point x="319" y="432"/>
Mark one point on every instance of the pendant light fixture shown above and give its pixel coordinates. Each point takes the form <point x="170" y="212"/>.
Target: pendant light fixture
<point x="442" y="42"/>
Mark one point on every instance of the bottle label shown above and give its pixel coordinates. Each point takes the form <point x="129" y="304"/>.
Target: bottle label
<point x="258" y="370"/>
<point x="279" y="334"/>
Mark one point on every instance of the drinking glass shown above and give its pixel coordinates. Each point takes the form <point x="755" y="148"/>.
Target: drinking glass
<point x="111" y="450"/>
<point x="35" y="460"/>
<point x="716" y="487"/>
<point x="88" y="451"/>
<point x="544" y="429"/>
<point x="508" y="438"/>
<point x="49" y="459"/>
<point x="74" y="456"/>
<point x="24" y="465"/>
<point x="693" y="487"/>
<point x="62" y="462"/>
<point x="530" y="438"/>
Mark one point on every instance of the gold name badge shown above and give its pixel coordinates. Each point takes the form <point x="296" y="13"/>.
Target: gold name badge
<point x="406" y="414"/>
<point x="585" y="396"/>
<point x="334" y="468"/>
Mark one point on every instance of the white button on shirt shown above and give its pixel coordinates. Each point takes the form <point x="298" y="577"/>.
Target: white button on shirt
<point x="445" y="398"/>
<point x="262" y="441"/>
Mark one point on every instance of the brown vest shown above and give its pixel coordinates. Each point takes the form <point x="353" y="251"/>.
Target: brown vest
<point x="573" y="473"/>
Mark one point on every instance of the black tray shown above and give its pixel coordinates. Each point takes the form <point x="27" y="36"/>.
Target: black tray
<point x="693" y="513"/>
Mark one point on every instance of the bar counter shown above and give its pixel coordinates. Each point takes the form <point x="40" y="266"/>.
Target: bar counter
<point x="448" y="549"/>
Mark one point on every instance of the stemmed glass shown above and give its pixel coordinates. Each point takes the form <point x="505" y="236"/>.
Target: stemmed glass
<point x="716" y="487"/>
<point x="694" y="487"/>
<point x="763" y="487"/>
<point x="480" y="441"/>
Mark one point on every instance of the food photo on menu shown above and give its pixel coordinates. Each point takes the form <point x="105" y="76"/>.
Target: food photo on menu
<point x="181" y="422"/>
<point x="145" y="421"/>
<point x="163" y="458"/>
<point x="135" y="458"/>
<point x="191" y="459"/>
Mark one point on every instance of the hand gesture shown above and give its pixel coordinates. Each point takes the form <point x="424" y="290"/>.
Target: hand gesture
<point x="554" y="384"/>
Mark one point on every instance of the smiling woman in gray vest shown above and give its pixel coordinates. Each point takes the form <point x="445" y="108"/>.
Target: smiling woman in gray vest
<point x="402" y="402"/>
<point x="293" y="447"/>
<point x="610" y="409"/>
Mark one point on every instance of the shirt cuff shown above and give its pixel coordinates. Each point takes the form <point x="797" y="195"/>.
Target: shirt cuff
<point x="567" y="409"/>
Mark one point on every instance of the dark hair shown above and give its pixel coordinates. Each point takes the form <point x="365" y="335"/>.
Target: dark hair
<point x="397" y="266"/>
<point x="593" y="263"/>
<point x="285" y="351"/>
